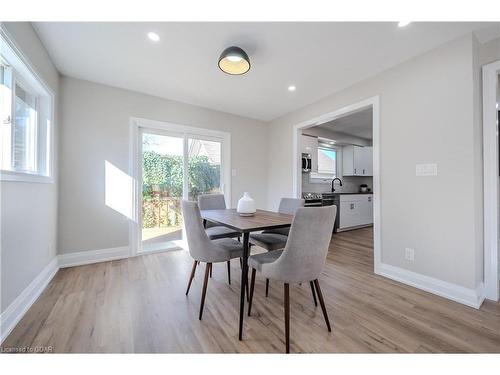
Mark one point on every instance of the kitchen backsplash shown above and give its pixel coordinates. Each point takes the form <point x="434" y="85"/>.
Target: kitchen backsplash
<point x="349" y="184"/>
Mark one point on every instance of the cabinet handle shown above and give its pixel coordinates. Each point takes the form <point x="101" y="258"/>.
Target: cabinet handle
<point x="352" y="206"/>
<point x="354" y="170"/>
<point x="363" y="171"/>
<point x="369" y="199"/>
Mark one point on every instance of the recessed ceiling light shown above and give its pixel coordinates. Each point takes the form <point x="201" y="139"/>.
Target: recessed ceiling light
<point x="403" y="23"/>
<point x="153" y="36"/>
<point x="292" y="88"/>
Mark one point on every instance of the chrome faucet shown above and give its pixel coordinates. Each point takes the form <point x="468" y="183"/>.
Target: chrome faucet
<point x="333" y="183"/>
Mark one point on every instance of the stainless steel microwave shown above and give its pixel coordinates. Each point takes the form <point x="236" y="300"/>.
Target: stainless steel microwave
<point x="306" y="163"/>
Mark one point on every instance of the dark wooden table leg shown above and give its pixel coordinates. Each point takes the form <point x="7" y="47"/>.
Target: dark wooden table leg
<point x="244" y="279"/>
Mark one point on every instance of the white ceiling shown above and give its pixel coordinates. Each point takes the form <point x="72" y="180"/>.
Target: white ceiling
<point x="358" y="124"/>
<point x="318" y="58"/>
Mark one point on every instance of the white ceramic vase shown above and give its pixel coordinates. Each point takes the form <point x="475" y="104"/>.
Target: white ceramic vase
<point x="246" y="205"/>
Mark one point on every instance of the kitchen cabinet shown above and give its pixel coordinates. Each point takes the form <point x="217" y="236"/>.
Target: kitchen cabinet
<point x="309" y="145"/>
<point x="355" y="210"/>
<point x="357" y="160"/>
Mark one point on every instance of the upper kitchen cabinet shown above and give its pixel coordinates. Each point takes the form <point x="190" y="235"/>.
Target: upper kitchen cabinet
<point x="309" y="145"/>
<point x="357" y="161"/>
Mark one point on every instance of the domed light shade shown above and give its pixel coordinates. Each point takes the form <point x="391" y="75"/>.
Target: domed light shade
<point x="234" y="60"/>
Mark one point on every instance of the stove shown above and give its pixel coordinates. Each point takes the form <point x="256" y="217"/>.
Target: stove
<point x="309" y="196"/>
<point x="313" y="199"/>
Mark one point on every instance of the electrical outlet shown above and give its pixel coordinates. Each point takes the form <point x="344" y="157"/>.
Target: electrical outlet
<point x="410" y="254"/>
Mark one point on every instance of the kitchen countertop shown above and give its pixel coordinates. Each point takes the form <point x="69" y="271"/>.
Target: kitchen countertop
<point x="346" y="193"/>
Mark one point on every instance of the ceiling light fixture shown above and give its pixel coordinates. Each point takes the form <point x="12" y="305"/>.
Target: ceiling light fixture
<point x="403" y="23"/>
<point x="153" y="36"/>
<point x="292" y="88"/>
<point x="233" y="60"/>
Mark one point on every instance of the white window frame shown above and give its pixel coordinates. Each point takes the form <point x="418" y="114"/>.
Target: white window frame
<point x="336" y="161"/>
<point x="321" y="178"/>
<point x="24" y="74"/>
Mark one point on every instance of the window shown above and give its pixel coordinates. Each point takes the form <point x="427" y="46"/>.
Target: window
<point x="327" y="164"/>
<point x="25" y="120"/>
<point x="327" y="161"/>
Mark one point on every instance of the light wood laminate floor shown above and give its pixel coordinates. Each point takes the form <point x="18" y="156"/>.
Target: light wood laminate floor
<point x="138" y="305"/>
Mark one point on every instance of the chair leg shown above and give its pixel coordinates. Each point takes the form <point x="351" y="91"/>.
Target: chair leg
<point x="246" y="287"/>
<point x="313" y="293"/>
<point x="267" y="287"/>
<point x="241" y="263"/>
<point x="229" y="272"/>
<point x="322" y="303"/>
<point x="252" y="285"/>
<point x="210" y="271"/>
<point x="204" y="291"/>
<point x="193" y="270"/>
<point x="287" y="317"/>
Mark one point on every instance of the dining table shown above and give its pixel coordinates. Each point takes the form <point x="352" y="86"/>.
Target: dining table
<point x="261" y="220"/>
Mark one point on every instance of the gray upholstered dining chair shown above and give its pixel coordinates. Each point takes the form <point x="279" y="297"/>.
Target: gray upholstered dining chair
<point x="302" y="259"/>
<point x="203" y="249"/>
<point x="215" y="231"/>
<point x="275" y="239"/>
<point x="215" y="202"/>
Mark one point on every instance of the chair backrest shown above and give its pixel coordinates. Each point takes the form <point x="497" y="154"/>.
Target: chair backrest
<point x="290" y="205"/>
<point x="305" y="252"/>
<point x="211" y="202"/>
<point x="199" y="244"/>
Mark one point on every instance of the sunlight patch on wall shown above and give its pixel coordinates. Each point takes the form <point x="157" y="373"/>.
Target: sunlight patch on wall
<point x="119" y="190"/>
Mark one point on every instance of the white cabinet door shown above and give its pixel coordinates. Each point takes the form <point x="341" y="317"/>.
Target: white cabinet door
<point x="351" y="158"/>
<point x="356" y="210"/>
<point x="367" y="164"/>
<point x="348" y="160"/>
<point x="359" y="160"/>
<point x="349" y="212"/>
<point x="365" y="212"/>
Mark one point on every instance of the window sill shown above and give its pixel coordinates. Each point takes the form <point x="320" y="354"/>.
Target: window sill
<point x="25" y="177"/>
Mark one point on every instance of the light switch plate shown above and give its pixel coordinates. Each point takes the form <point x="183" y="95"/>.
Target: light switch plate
<point x="430" y="169"/>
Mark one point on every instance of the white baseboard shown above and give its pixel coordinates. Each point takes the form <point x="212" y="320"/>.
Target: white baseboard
<point x="470" y="297"/>
<point x="16" y="310"/>
<point x="92" y="256"/>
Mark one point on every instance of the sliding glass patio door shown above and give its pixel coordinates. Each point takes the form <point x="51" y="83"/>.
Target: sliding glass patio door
<point x="175" y="166"/>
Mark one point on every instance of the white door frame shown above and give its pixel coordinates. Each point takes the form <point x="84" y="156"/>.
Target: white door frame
<point x="135" y="164"/>
<point x="373" y="102"/>
<point x="490" y="180"/>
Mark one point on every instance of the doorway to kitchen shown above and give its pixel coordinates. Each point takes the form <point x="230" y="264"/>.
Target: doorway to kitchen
<point x="337" y="161"/>
<point x="171" y="163"/>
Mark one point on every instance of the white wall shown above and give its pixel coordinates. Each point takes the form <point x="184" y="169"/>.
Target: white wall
<point x="427" y="116"/>
<point x="95" y="128"/>
<point x="28" y="210"/>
